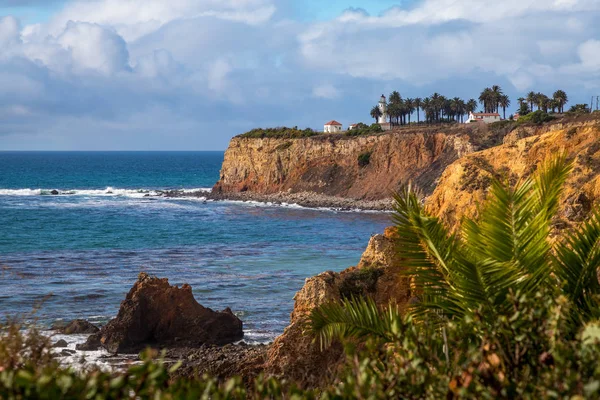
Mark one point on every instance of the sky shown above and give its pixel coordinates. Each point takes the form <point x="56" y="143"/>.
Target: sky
<point x="191" y="74"/>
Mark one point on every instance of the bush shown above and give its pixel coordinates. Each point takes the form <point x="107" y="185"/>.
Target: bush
<point x="281" y="132"/>
<point x="364" y="130"/>
<point x="364" y="159"/>
<point x="537" y="117"/>
<point x="531" y="353"/>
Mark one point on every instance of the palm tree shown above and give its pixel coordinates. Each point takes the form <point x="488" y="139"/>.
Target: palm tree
<point x="410" y="107"/>
<point x="437" y="102"/>
<point x="427" y="109"/>
<point x="531" y="98"/>
<point x="496" y="96"/>
<point x="375" y="113"/>
<point x="508" y="249"/>
<point x="542" y="101"/>
<point x="504" y="102"/>
<point x="471" y="105"/>
<point x="486" y="98"/>
<point x="418" y="102"/>
<point x="521" y="100"/>
<point x="561" y="98"/>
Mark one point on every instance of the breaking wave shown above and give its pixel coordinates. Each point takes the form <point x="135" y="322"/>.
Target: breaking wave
<point x="108" y="191"/>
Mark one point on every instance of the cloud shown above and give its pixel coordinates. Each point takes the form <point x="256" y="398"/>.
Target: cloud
<point x="133" y="19"/>
<point x="93" y="47"/>
<point x="191" y="73"/>
<point x="326" y="91"/>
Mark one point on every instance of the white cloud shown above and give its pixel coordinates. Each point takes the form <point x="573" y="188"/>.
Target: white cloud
<point x="9" y="32"/>
<point x="135" y="18"/>
<point x="326" y="91"/>
<point x="93" y="47"/>
<point x="118" y="64"/>
<point x="589" y="53"/>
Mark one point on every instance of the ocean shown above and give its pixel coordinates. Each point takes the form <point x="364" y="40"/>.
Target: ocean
<point x="76" y="254"/>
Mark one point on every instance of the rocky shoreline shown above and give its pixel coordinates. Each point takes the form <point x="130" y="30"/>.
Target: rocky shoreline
<point x="305" y="199"/>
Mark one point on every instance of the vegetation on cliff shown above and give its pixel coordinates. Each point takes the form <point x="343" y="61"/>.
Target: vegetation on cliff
<point x="438" y="108"/>
<point x="280" y="132"/>
<point x="503" y="309"/>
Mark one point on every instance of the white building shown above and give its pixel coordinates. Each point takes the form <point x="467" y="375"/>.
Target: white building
<point x="487" y="118"/>
<point x="332" y="127"/>
<point x="383" y="118"/>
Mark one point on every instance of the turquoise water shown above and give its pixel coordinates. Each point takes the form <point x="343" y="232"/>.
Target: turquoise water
<point x="78" y="253"/>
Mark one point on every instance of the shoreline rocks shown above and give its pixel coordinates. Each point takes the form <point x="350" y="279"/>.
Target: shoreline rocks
<point x="75" y="327"/>
<point x="157" y="314"/>
<point x="305" y="199"/>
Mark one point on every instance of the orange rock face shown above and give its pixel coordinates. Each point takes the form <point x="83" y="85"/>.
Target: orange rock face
<point x="465" y="182"/>
<point x="329" y="165"/>
<point x="296" y="354"/>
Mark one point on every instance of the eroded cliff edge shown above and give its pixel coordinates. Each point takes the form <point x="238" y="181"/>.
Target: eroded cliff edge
<point x="464" y="183"/>
<point x="312" y="171"/>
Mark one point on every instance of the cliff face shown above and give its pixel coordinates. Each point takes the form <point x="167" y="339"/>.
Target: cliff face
<point x="465" y="182"/>
<point x="329" y="164"/>
<point x="296" y="354"/>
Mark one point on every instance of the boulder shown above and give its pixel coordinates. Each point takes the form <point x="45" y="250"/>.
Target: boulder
<point x="78" y="326"/>
<point x="54" y="192"/>
<point x="60" y="344"/>
<point x="155" y="313"/>
<point x="91" y="344"/>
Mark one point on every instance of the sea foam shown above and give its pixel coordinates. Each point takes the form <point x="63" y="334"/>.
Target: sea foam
<point x="108" y="191"/>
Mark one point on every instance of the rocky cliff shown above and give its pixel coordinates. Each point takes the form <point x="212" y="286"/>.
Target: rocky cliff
<point x="464" y="183"/>
<point x="364" y="167"/>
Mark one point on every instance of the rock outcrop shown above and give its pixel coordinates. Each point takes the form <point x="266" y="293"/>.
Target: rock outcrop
<point x="328" y="164"/>
<point x="78" y="326"/>
<point x="464" y="183"/>
<point x="155" y="313"/>
<point x="295" y="354"/>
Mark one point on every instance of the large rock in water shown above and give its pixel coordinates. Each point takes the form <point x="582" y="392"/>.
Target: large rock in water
<point x="155" y="313"/>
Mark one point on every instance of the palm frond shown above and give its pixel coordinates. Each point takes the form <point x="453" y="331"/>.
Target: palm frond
<point x="354" y="318"/>
<point x="577" y="262"/>
<point x="443" y="278"/>
<point x="510" y="241"/>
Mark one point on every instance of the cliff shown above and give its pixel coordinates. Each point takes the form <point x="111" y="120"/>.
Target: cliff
<point x="297" y="356"/>
<point x="363" y="167"/>
<point x="464" y="183"/>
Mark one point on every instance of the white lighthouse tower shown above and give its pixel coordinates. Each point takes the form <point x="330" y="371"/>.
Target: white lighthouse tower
<point x="383" y="118"/>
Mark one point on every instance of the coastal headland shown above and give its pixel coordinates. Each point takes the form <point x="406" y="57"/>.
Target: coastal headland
<point x="454" y="170"/>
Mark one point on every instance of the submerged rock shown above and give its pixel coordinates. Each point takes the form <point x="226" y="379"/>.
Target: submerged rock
<point x="54" y="192"/>
<point x="155" y="313"/>
<point x="77" y="326"/>
<point x="60" y="344"/>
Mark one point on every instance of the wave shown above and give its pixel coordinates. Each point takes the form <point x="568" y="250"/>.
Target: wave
<point x="108" y="191"/>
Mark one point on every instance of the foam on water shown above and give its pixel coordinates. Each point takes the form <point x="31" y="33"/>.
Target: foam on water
<point x="107" y="192"/>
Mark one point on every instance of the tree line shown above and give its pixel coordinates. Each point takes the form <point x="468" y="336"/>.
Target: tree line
<point x="438" y="108"/>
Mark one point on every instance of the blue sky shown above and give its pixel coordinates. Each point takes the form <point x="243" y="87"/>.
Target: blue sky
<point x="190" y="74"/>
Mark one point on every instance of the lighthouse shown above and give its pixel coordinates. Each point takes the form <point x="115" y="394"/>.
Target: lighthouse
<point x="383" y="118"/>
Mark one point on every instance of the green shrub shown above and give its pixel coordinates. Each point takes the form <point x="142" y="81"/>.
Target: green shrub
<point x="537" y="117"/>
<point x="364" y="130"/>
<point x="364" y="159"/>
<point x="359" y="281"/>
<point x="281" y="132"/>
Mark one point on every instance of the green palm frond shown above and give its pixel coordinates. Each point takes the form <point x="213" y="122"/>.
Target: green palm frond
<point x="356" y="318"/>
<point x="577" y="262"/>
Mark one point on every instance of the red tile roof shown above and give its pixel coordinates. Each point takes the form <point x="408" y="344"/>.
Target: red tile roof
<point x="487" y="114"/>
<point x="333" y="122"/>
